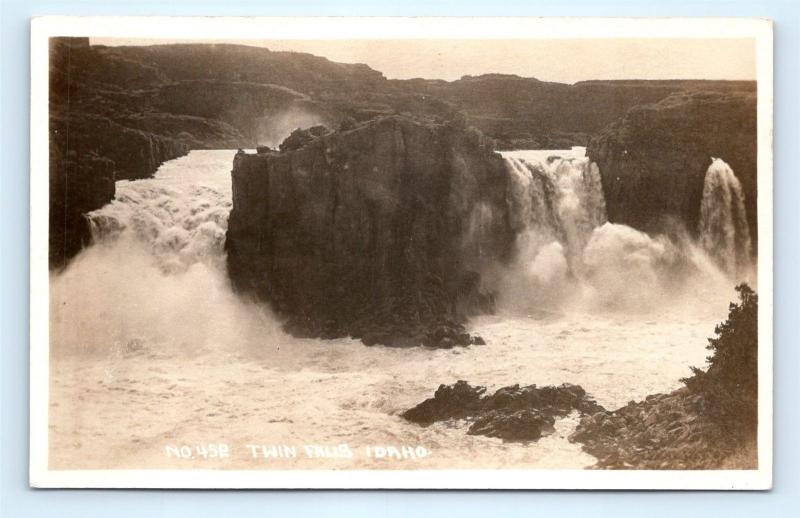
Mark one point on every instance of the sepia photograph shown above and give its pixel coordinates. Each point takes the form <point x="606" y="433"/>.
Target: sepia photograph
<point x="401" y="253"/>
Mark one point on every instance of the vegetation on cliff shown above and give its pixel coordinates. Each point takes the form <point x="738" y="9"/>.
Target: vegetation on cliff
<point x="710" y="423"/>
<point x="703" y="425"/>
<point x="730" y="384"/>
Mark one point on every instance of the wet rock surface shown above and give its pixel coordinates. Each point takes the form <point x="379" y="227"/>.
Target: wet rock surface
<point x="522" y="425"/>
<point x="456" y="401"/>
<point x="514" y="413"/>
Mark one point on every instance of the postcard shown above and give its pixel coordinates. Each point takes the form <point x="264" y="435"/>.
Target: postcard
<point x="441" y="253"/>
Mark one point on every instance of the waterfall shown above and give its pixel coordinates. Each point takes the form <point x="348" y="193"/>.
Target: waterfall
<point x="155" y="273"/>
<point x="178" y="218"/>
<point x="555" y="202"/>
<point x="568" y="254"/>
<point x="723" y="228"/>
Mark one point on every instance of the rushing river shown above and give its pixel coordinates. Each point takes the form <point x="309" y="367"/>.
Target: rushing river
<point x="151" y="349"/>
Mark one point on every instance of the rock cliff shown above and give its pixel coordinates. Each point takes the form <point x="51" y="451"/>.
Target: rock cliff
<point x="166" y="99"/>
<point x="378" y="232"/>
<point x="526" y="113"/>
<point x="653" y="162"/>
<point x="87" y="155"/>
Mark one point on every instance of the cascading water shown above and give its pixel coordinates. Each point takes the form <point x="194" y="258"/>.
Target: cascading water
<point x="176" y="357"/>
<point x="555" y="198"/>
<point x="723" y="227"/>
<point x="180" y="216"/>
<point x="569" y="255"/>
<point x="155" y="273"/>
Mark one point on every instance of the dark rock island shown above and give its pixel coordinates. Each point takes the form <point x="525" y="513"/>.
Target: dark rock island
<point x="378" y="232"/>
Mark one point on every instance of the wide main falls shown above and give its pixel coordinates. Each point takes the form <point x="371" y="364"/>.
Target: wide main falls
<point x="151" y="349"/>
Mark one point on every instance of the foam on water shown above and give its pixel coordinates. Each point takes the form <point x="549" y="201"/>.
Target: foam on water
<point x="569" y="257"/>
<point x="156" y="271"/>
<point x="150" y="346"/>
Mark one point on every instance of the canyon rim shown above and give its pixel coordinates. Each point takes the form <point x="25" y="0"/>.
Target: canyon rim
<point x="462" y="260"/>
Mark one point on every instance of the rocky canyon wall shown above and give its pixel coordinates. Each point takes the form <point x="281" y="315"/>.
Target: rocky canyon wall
<point x="118" y="112"/>
<point x="653" y="161"/>
<point x="379" y="232"/>
<point x="87" y="155"/>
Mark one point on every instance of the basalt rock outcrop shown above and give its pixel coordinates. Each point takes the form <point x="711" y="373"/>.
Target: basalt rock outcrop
<point x="653" y="162"/>
<point x="378" y="232"/>
<point x="526" y="113"/>
<point x="520" y="414"/>
<point x="709" y="423"/>
<point x="79" y="183"/>
<point x="665" y="431"/>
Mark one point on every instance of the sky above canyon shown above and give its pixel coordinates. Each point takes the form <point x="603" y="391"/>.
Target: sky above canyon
<point x="562" y="60"/>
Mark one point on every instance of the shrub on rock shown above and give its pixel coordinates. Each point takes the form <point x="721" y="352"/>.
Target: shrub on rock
<point x="730" y="384"/>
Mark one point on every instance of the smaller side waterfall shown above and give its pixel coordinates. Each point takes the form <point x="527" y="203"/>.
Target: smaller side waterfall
<point x="723" y="229"/>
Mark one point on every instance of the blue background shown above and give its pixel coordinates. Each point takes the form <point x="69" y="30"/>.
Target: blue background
<point x="16" y="500"/>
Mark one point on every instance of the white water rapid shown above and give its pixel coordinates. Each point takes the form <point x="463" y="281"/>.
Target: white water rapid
<point x="150" y="347"/>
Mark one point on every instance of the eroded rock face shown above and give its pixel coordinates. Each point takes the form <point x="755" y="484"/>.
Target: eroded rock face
<point x="378" y="232"/>
<point x="79" y="183"/>
<point x="87" y="155"/>
<point x="653" y="162"/>
<point x="514" y="413"/>
<point x="118" y="113"/>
